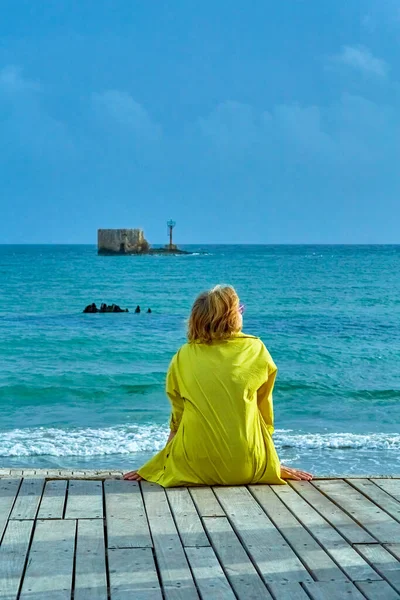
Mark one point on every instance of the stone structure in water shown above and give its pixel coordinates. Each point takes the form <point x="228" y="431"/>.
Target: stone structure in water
<point x="129" y="241"/>
<point x="122" y="241"/>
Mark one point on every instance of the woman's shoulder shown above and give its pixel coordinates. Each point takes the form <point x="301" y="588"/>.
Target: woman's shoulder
<point x="244" y="339"/>
<point x="259" y="349"/>
<point x="249" y="340"/>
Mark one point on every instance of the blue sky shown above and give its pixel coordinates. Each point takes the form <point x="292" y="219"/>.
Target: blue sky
<point x="261" y="122"/>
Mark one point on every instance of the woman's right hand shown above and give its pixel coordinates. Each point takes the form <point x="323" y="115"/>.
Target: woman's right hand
<point x="289" y="473"/>
<point x="133" y="476"/>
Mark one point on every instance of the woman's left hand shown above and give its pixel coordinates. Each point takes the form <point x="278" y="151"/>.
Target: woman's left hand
<point x="133" y="476"/>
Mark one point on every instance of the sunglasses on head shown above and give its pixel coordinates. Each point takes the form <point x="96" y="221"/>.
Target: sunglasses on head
<point x="241" y="308"/>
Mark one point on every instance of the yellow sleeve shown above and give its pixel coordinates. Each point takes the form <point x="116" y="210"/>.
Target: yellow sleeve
<point x="172" y="389"/>
<point x="264" y="392"/>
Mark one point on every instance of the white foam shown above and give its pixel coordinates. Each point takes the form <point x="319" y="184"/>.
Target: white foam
<point x="132" y="439"/>
<point x="368" y="441"/>
<point x="83" y="441"/>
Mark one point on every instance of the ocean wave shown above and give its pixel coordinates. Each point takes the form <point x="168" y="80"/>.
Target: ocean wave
<point x="86" y="442"/>
<point x="44" y="441"/>
<point x="336" y="441"/>
<point x="57" y="393"/>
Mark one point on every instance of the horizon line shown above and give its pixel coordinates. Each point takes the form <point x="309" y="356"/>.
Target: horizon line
<point x="217" y="244"/>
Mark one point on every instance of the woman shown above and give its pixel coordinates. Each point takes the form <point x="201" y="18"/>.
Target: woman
<point x="220" y="387"/>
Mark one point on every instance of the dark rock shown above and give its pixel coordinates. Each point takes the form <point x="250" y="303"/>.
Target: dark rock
<point x="91" y="308"/>
<point x="113" y="308"/>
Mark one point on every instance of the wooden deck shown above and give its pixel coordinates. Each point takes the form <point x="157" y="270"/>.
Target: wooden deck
<point x="93" y="536"/>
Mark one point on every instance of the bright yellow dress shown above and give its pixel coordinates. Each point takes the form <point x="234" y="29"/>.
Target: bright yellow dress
<point x="221" y="395"/>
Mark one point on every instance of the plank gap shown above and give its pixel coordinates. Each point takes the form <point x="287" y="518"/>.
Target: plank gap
<point x="6" y="507"/>
<point x="106" y="557"/>
<point x="74" y="561"/>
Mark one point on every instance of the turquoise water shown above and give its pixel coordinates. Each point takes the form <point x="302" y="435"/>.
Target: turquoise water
<point x="82" y="390"/>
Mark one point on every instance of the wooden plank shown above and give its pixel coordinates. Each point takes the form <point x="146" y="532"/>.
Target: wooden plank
<point x="88" y="475"/>
<point x="377" y="590"/>
<point x="13" y="554"/>
<point x="269" y="551"/>
<point x="106" y="475"/>
<point x="91" y="475"/>
<point x="8" y="493"/>
<point x="127" y="525"/>
<point x="376" y="521"/>
<point x="347" y="527"/>
<point x="52" y="474"/>
<point x="333" y="590"/>
<point x="133" y="574"/>
<point x="50" y="562"/>
<point x="90" y="561"/>
<point x="186" y="518"/>
<point x="84" y="500"/>
<point x="61" y="473"/>
<point x="354" y="566"/>
<point x="352" y="476"/>
<point x="377" y="495"/>
<point x="288" y="591"/>
<point x="318" y="562"/>
<point x="28" y="499"/>
<point x="383" y="561"/>
<point x="53" y="500"/>
<point x="31" y="473"/>
<point x="176" y="577"/>
<point x="238" y="567"/>
<point x="208" y="575"/>
<point x="391" y="486"/>
<point x="206" y="503"/>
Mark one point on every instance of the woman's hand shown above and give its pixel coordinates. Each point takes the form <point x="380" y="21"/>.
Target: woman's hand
<point x="171" y="436"/>
<point x="288" y="473"/>
<point x="133" y="476"/>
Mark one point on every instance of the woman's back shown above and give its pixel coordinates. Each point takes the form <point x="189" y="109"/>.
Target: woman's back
<point x="221" y="434"/>
<point x="218" y="383"/>
<point x="220" y="387"/>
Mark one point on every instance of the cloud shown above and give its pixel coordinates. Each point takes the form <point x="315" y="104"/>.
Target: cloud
<point x="349" y="132"/>
<point x="12" y="81"/>
<point x="118" y="108"/>
<point x="361" y="59"/>
<point x="27" y="126"/>
<point x="236" y="149"/>
<point x="348" y="135"/>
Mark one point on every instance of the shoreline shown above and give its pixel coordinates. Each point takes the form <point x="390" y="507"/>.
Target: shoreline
<point x="117" y="473"/>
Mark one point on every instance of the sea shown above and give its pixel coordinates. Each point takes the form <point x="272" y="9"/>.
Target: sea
<point x="86" y="391"/>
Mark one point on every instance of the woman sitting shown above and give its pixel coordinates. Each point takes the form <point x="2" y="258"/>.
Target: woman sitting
<point x="220" y="386"/>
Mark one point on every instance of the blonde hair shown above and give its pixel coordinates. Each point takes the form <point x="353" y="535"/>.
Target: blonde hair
<point x="215" y="315"/>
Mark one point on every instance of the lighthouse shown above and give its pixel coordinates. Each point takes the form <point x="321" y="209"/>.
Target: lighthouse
<point x="171" y="224"/>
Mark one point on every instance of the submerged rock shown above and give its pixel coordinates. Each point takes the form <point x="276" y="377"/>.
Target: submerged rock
<point x="112" y="308"/>
<point x="91" y="308"/>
